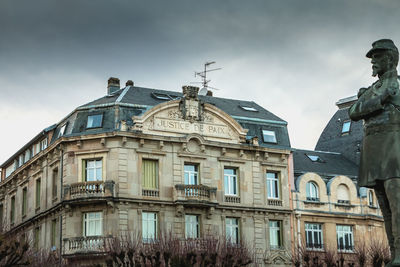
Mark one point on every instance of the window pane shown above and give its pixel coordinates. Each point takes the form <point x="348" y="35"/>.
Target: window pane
<point x="150" y="174"/>
<point x="269" y="136"/>
<point x="94" y="121"/>
<point x="346" y="127"/>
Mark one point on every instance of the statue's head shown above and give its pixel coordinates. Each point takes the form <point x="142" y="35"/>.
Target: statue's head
<point x="384" y="56"/>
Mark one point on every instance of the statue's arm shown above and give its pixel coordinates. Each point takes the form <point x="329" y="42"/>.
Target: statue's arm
<point x="365" y="106"/>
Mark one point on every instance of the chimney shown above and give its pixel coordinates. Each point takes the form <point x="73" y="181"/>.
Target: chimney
<point x="113" y="85"/>
<point x="129" y="83"/>
<point x="209" y="93"/>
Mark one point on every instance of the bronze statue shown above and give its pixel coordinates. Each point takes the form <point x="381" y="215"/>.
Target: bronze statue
<point x="379" y="106"/>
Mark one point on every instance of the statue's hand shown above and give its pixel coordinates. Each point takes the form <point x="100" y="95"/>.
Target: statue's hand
<point x="361" y="91"/>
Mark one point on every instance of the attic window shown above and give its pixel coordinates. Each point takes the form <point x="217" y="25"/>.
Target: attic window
<point x="94" y="121"/>
<point x="314" y="158"/>
<point x="249" y="108"/>
<point x="346" y="127"/>
<point x="62" y="130"/>
<point x="269" y="136"/>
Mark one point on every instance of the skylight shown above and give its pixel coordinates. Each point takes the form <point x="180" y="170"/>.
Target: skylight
<point x="165" y="96"/>
<point x="314" y="158"/>
<point x="249" y="108"/>
<point x="269" y="136"/>
<point x="346" y="127"/>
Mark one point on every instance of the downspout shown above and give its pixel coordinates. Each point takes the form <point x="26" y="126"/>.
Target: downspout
<point x="61" y="199"/>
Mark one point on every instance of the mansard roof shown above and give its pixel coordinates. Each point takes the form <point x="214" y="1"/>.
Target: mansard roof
<point x="328" y="164"/>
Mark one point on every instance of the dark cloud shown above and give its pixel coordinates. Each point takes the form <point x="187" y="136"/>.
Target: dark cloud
<point x="296" y="58"/>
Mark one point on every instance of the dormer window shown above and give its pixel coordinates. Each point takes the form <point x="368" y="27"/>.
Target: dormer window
<point x="94" y="121"/>
<point x="247" y="108"/>
<point x="346" y="127"/>
<point x="62" y="130"/>
<point x="269" y="136"/>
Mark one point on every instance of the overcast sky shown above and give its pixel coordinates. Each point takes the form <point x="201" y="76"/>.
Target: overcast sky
<point x="295" y="58"/>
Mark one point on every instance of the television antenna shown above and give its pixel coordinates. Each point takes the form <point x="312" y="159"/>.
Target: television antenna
<point x="203" y="75"/>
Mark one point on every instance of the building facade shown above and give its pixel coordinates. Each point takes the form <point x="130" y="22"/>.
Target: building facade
<point x="145" y="162"/>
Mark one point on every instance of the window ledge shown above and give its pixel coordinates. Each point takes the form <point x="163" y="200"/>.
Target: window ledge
<point x="372" y="207"/>
<point x="313" y="202"/>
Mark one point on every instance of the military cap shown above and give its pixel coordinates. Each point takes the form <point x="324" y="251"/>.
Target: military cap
<point x="383" y="44"/>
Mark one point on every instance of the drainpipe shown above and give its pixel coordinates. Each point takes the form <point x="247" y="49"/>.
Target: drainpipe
<point x="61" y="198"/>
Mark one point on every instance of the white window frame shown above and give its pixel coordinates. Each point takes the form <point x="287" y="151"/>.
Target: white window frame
<point x="269" y="133"/>
<point x="273" y="185"/>
<point x="370" y="198"/>
<point x="312" y="193"/>
<point x="43" y="144"/>
<point x="345" y="238"/>
<point x="149" y="226"/>
<point x="192" y="227"/>
<point x="191" y="176"/>
<point x="275" y="234"/>
<point x="231" y="182"/>
<point x="232" y="230"/>
<point x="90" y="218"/>
<point x="97" y="169"/>
<point x="314" y="232"/>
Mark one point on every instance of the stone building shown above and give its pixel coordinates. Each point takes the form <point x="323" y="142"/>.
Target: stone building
<point x="145" y="162"/>
<point x="330" y="211"/>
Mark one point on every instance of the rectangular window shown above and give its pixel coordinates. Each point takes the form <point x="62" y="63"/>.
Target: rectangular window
<point x="62" y="130"/>
<point x="43" y="144"/>
<point x="27" y="155"/>
<point x="231" y="182"/>
<point x="37" y="238"/>
<point x="54" y="232"/>
<point x="346" y="127"/>
<point x="232" y="230"/>
<point x="55" y="183"/>
<point x="344" y="237"/>
<point x="149" y="226"/>
<point x="191" y="174"/>
<point x="93" y="170"/>
<point x="93" y="224"/>
<point x="275" y="234"/>
<point x="21" y="160"/>
<point x="94" y="121"/>
<point x="192" y="226"/>
<point x="314" y="235"/>
<point x="150" y="174"/>
<point x="269" y="136"/>
<point x="37" y="148"/>
<point x="273" y="185"/>
<point x="37" y="194"/>
<point x="9" y="170"/>
<point x="24" y="200"/>
<point x="12" y="210"/>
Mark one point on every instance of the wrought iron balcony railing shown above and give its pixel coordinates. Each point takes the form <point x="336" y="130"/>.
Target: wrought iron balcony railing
<point x="89" y="189"/>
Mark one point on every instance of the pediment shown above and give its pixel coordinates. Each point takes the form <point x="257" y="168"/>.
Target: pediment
<point x="180" y="118"/>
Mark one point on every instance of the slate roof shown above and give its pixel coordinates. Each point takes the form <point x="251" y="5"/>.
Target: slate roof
<point x="332" y="164"/>
<point x="143" y="96"/>
<point x="333" y="140"/>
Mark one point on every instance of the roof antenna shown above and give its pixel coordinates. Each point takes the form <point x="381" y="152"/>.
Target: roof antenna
<point x="203" y="75"/>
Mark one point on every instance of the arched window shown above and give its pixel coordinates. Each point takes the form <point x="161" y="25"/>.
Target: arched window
<point x="343" y="195"/>
<point x="312" y="191"/>
<point x="370" y="198"/>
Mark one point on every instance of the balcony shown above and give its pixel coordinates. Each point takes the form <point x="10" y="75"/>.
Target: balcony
<point x="92" y="189"/>
<point x="200" y="194"/>
<point x="274" y="202"/>
<point x="84" y="244"/>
